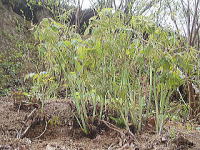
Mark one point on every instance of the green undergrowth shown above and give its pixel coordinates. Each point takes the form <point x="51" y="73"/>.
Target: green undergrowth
<point x="122" y="72"/>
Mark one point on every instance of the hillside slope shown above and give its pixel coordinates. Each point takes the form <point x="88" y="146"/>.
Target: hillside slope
<point x="14" y="34"/>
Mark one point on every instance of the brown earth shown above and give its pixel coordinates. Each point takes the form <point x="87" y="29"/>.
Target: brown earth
<point x="60" y="134"/>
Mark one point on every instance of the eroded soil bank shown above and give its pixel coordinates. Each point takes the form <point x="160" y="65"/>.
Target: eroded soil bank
<point x="29" y="129"/>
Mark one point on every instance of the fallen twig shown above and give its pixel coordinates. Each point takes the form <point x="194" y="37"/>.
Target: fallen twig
<point x="19" y="108"/>
<point x="46" y="124"/>
<point x="29" y="116"/>
<point x="113" y="127"/>
<point x="25" y="131"/>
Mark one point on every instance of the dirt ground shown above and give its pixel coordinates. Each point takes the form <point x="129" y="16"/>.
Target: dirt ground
<point x="60" y="134"/>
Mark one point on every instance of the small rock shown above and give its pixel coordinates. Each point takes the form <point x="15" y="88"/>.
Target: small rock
<point x="163" y="139"/>
<point x="5" y="147"/>
<point x="55" y="146"/>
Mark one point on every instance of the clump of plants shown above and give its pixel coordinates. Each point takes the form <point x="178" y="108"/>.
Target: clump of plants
<point x="117" y="74"/>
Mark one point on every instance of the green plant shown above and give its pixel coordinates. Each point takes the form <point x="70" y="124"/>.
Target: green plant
<point x="115" y="69"/>
<point x="43" y="85"/>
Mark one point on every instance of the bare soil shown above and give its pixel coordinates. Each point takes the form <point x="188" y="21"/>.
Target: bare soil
<point x="60" y="134"/>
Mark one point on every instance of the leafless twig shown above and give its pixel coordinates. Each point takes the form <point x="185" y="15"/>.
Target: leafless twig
<point x="46" y="124"/>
